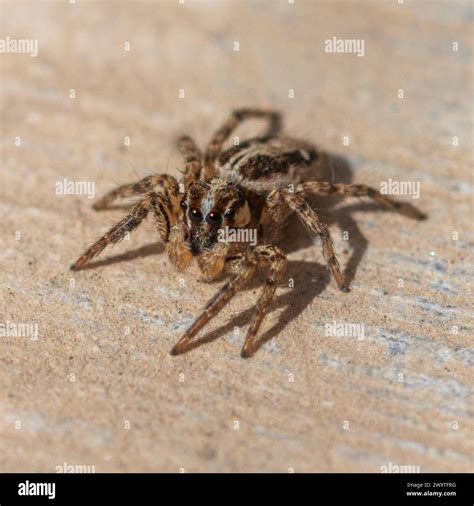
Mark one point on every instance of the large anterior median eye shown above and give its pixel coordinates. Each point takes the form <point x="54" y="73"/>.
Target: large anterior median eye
<point x="214" y="218"/>
<point x="195" y="214"/>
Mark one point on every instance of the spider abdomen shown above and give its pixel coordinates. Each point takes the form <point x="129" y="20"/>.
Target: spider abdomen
<point x="266" y="159"/>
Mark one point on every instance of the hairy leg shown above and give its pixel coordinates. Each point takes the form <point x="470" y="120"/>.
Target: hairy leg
<point x="168" y="183"/>
<point x="192" y="159"/>
<point x="273" y="257"/>
<point x="160" y="206"/>
<point x="274" y="216"/>
<point x="359" y="190"/>
<point x="178" y="250"/>
<point x="238" y="116"/>
<point x="282" y="202"/>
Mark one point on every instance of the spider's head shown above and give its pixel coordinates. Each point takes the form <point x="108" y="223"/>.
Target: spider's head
<point x="210" y="206"/>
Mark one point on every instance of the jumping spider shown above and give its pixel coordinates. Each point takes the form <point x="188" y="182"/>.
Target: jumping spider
<point x="256" y="184"/>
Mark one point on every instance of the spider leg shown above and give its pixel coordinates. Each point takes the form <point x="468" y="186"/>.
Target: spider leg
<point x="155" y="201"/>
<point x="360" y="190"/>
<point x="192" y="158"/>
<point x="277" y="261"/>
<point x="179" y="253"/>
<point x="131" y="189"/>
<point x="238" y="116"/>
<point x="223" y="296"/>
<point x="275" y="213"/>
<point x="313" y="222"/>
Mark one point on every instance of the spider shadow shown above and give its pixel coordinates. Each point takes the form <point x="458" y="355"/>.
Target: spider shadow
<point x="142" y="252"/>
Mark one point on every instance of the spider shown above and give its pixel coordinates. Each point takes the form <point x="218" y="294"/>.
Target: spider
<point x="254" y="185"/>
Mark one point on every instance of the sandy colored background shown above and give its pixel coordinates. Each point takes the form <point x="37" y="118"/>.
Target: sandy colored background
<point x="88" y="393"/>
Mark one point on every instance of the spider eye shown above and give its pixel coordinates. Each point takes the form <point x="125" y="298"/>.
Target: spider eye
<point x="214" y="218"/>
<point x="183" y="204"/>
<point x="229" y="214"/>
<point x="195" y="214"/>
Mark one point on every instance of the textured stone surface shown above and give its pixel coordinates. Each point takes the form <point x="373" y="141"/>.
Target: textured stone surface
<point x="400" y="395"/>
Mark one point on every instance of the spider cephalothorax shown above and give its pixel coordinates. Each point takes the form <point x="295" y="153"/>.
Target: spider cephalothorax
<point x="228" y="208"/>
<point x="210" y="207"/>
